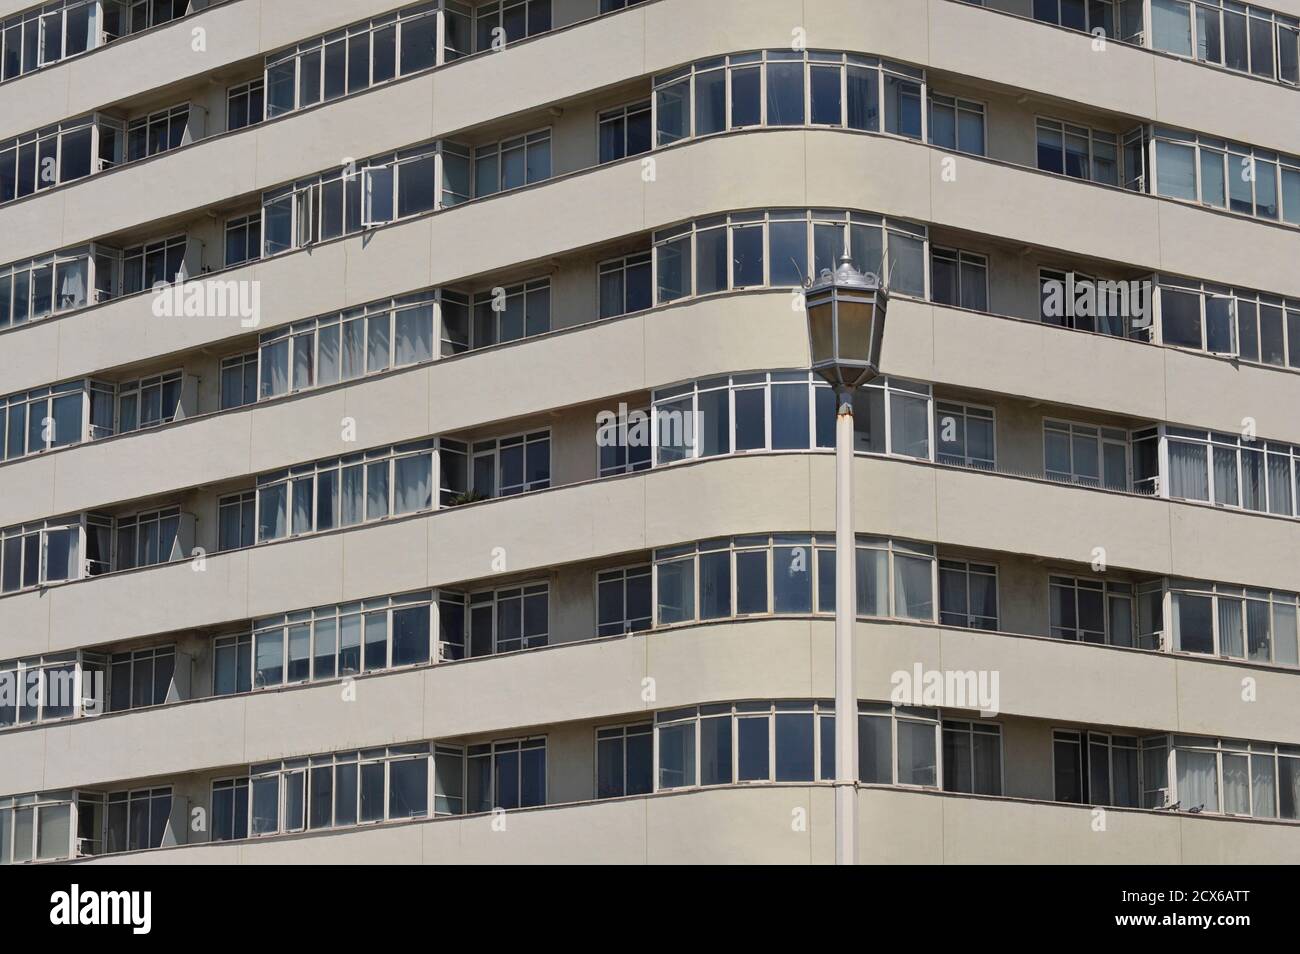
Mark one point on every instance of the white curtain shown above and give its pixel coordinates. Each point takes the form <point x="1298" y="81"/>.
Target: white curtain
<point x="414" y="335"/>
<point x="72" y="284"/>
<point x="414" y="489"/>
<point x="1188" y="476"/>
<point x="913" y="592"/>
<point x="1263" y="778"/>
<point x="1230" y="628"/>
<point x="1198" y="781"/>
<point x="1236" y="784"/>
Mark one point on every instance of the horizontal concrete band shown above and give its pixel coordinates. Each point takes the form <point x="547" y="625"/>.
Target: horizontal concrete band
<point x="1039" y="678"/>
<point x="754" y="826"/>
<point x="595" y="519"/>
<point x="641" y="352"/>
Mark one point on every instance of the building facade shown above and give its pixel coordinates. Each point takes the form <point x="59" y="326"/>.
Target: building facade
<point x="408" y="452"/>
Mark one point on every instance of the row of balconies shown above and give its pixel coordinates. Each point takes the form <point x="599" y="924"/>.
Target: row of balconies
<point x="887" y="98"/>
<point x="745" y="578"/>
<point x="1127" y="776"/>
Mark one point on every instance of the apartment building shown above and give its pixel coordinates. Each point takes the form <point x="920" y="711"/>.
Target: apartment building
<point x="340" y="520"/>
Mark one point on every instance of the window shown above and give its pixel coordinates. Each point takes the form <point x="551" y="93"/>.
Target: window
<point x="507" y="314"/>
<point x="623" y="601"/>
<point x="968" y="594"/>
<point x="245" y="104"/>
<point x="151" y="13"/>
<point x="508" y="774"/>
<point x="512" y="163"/>
<point x="58" y="416"/>
<point x="972" y="757"/>
<point x="1226" y="175"/>
<point x="790" y="88"/>
<point x="785" y="573"/>
<point x="505" y="466"/>
<point x="1096" y="768"/>
<point x="1225" y="776"/>
<point x="959" y="278"/>
<point x="1092" y="611"/>
<point x="338" y="790"/>
<point x="51" y="687"/>
<point x="58" y="154"/>
<point x="361" y="195"/>
<point x="1255" y="327"/>
<point x="328" y="642"/>
<point x="495" y="621"/>
<point x="964" y="435"/>
<point x="236" y="519"/>
<point x="745" y="742"/>
<point x="740" y="413"/>
<point x="232" y="665"/>
<point x="898" y="746"/>
<point x="623" y="443"/>
<point x="783" y="248"/>
<point x="343" y="346"/>
<point x="1090" y="16"/>
<point x="156" y="263"/>
<point x="1233" y="622"/>
<point x="230" y="809"/>
<point x="362" y="55"/>
<point x="243" y="239"/>
<point x="149" y="402"/>
<point x="1228" y="34"/>
<point x="65" y="281"/>
<point x="508" y="21"/>
<point x="624" y="132"/>
<point x="67" y="548"/>
<point x="1078" y="152"/>
<point x="149" y="539"/>
<point x="142" y="678"/>
<point x="625" y="760"/>
<point x="137" y="821"/>
<point x="1077" y="300"/>
<point x="238" y="380"/>
<point x="1230" y="471"/>
<point x="957" y="124"/>
<point x="48" y="34"/>
<point x="157" y="132"/>
<point x="1086" y="454"/>
<point x="37" y="827"/>
<point x="624" y="285"/>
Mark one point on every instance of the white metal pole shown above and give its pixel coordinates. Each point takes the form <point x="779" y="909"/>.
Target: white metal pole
<point x="846" y="703"/>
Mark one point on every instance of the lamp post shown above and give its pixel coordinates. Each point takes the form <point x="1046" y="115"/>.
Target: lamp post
<point x="846" y="323"/>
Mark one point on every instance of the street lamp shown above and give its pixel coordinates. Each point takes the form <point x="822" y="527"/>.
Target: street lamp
<point x="846" y="323"/>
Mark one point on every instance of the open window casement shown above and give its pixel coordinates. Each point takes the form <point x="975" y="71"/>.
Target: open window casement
<point x="304" y="207"/>
<point x="188" y="405"/>
<point x="183" y="545"/>
<point x="1135" y="160"/>
<point x="1221" y="326"/>
<point x="376" y="196"/>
